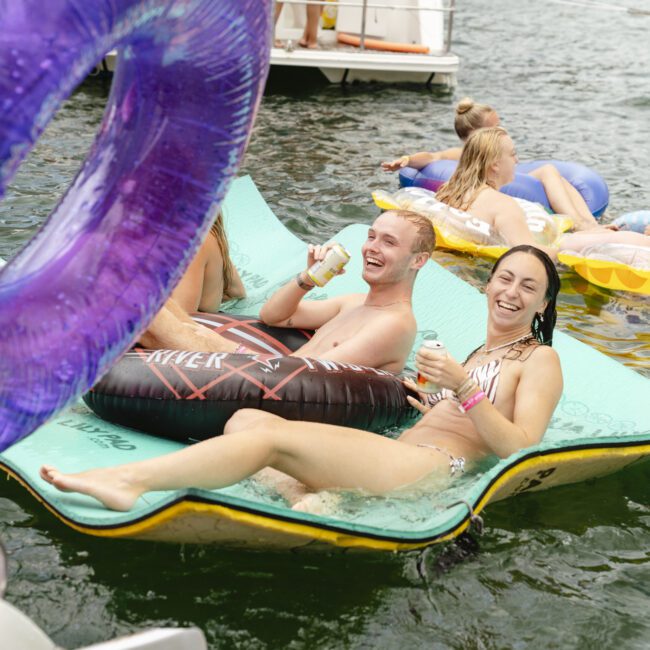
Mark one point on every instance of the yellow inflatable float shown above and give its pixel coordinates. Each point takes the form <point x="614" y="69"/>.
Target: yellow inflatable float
<point x="611" y="266"/>
<point x="460" y="231"/>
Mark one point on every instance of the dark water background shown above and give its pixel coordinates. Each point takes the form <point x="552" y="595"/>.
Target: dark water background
<point x="566" y="568"/>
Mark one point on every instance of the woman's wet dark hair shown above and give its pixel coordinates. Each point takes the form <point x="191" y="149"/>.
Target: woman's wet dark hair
<point x="542" y="328"/>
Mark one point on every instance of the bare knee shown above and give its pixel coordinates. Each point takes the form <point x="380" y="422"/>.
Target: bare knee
<point x="148" y="340"/>
<point x="246" y="420"/>
<point x="547" y="171"/>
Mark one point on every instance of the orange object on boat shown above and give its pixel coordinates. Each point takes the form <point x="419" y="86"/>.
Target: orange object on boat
<point x="387" y="46"/>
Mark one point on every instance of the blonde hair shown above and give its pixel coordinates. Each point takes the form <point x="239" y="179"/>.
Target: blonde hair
<point x="218" y="231"/>
<point x="425" y="240"/>
<point x="481" y="151"/>
<point x="470" y="116"/>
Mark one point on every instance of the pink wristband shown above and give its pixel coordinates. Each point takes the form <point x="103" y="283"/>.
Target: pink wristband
<point x="241" y="349"/>
<point x="472" y="401"/>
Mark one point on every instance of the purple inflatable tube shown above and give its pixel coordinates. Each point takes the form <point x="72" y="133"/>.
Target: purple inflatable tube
<point x="190" y="76"/>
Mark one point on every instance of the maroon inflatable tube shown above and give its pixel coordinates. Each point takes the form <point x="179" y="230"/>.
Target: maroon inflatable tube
<point x="254" y="334"/>
<point x="191" y="395"/>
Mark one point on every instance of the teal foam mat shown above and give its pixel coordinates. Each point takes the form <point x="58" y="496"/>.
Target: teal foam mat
<point x="600" y="425"/>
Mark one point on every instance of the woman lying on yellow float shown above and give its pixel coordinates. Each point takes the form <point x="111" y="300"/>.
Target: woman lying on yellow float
<point x="614" y="259"/>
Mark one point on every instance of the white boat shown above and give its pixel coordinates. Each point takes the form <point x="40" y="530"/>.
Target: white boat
<point x="413" y="37"/>
<point x="396" y="25"/>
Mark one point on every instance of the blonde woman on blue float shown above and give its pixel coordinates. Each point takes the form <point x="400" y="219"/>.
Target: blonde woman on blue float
<point x="470" y="116"/>
<point x="487" y="163"/>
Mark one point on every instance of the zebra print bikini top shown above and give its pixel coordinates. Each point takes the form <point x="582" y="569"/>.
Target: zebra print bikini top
<point x="486" y="376"/>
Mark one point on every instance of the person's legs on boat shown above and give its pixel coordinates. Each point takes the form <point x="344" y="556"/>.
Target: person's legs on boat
<point x="309" y="37"/>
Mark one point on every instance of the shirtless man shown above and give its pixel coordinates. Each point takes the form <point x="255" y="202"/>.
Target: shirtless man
<point x="347" y="327"/>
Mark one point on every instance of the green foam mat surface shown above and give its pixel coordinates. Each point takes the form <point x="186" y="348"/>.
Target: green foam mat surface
<point x="604" y="403"/>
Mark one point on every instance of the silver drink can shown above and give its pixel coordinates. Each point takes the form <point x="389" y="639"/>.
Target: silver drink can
<point x="423" y="385"/>
<point x="321" y="272"/>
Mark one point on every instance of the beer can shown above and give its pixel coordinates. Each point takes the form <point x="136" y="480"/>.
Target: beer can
<point x="321" y="272"/>
<point x="438" y="347"/>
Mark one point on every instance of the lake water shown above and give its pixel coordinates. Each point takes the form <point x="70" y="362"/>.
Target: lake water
<point x="566" y="568"/>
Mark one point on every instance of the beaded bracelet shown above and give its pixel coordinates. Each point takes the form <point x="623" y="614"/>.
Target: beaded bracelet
<point x="472" y="401"/>
<point x="467" y="389"/>
<point x="463" y="386"/>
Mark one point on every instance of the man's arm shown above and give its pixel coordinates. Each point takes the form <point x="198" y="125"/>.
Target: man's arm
<point x="286" y="308"/>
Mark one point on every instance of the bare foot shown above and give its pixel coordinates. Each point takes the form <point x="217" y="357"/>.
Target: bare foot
<point x="318" y="503"/>
<point x="109" y="486"/>
<point x="47" y="473"/>
<point x="308" y="45"/>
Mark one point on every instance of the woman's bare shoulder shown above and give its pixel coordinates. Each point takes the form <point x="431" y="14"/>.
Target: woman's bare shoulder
<point x="493" y="201"/>
<point x="503" y="200"/>
<point x="531" y="358"/>
<point x="542" y="359"/>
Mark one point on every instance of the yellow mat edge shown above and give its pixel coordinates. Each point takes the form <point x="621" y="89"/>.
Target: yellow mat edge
<point x="316" y="532"/>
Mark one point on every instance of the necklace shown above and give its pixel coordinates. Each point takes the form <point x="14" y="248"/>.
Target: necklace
<point x="389" y="304"/>
<point x="487" y="351"/>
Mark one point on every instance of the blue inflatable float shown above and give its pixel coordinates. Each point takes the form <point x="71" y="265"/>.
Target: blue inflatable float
<point x="590" y="185"/>
<point x="637" y="221"/>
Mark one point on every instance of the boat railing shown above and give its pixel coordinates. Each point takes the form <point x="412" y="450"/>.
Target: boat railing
<point x="448" y="10"/>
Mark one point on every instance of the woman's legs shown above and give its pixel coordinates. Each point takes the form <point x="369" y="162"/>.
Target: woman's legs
<point x="563" y="197"/>
<point x="309" y="36"/>
<point x="278" y="11"/>
<point x="318" y="455"/>
<point x="287" y="486"/>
